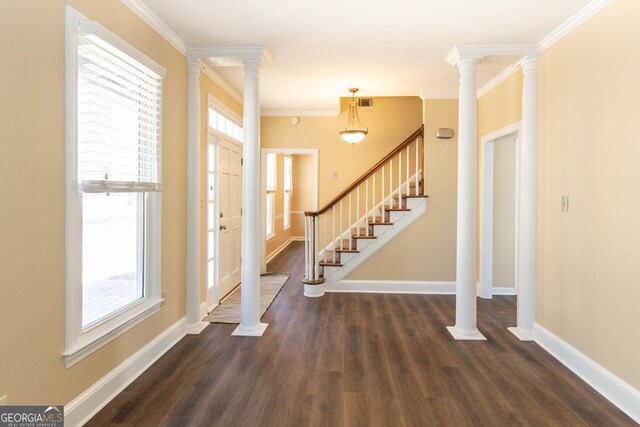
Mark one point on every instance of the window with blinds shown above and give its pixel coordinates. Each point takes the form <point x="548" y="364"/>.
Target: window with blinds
<point x="288" y="174"/>
<point x="272" y="172"/>
<point x="119" y="120"/>
<point x="114" y="176"/>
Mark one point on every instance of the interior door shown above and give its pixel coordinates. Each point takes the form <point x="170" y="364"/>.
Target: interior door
<point x="230" y="214"/>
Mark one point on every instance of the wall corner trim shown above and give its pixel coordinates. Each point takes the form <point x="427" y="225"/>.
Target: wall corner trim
<point x="96" y="397"/>
<point x="572" y="23"/>
<point x="613" y="388"/>
<point x="156" y="23"/>
<point x="494" y="82"/>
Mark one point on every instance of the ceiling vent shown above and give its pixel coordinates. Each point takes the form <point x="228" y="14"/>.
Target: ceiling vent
<point x="365" y="102"/>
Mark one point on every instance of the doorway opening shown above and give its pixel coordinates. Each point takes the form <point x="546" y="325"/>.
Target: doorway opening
<point x="289" y="188"/>
<point x="499" y="213"/>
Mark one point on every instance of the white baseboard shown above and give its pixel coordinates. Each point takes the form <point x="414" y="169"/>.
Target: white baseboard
<point x="203" y="310"/>
<point x="506" y="290"/>
<point x="283" y="246"/>
<point x="614" y="389"/>
<point x="96" y="397"/>
<point x="392" y="287"/>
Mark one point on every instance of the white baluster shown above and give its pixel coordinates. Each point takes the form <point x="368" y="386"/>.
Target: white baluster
<point x="373" y="202"/>
<point x="417" y="167"/>
<point x="324" y="235"/>
<point x="333" y="233"/>
<point x="349" y="222"/>
<point x="399" y="179"/>
<point x="407" y="174"/>
<point x="391" y="183"/>
<point x="340" y="229"/>
<point x="382" y="195"/>
<point x="424" y="166"/>
<point x="357" y="206"/>
<point x="366" y="208"/>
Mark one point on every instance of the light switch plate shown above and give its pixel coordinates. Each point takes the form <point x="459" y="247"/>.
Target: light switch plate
<point x="564" y="203"/>
<point x="334" y="175"/>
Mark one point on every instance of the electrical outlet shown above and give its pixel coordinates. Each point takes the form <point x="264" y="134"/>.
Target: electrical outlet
<point x="564" y="203"/>
<point x="3" y="400"/>
<point x="334" y="175"/>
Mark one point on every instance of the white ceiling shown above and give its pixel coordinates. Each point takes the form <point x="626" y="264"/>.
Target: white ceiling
<point x="386" y="48"/>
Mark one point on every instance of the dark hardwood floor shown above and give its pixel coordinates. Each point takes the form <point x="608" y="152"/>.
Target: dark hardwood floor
<point x="359" y="360"/>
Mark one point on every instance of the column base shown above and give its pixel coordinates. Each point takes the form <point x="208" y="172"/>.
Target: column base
<point x="196" y="328"/>
<point x="313" y="291"/>
<point x="250" y="331"/>
<point x="461" y="335"/>
<point x="523" y="335"/>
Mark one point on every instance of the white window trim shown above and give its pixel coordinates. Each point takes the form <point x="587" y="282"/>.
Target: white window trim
<point x="80" y="343"/>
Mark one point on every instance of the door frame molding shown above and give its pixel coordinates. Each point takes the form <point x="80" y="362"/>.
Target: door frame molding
<point x="263" y="196"/>
<point x="217" y="105"/>
<point x="485" y="288"/>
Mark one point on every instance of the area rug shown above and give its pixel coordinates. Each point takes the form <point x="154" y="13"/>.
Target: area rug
<point x="229" y="310"/>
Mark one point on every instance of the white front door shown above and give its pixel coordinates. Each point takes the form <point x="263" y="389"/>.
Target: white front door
<point x="212" y="223"/>
<point x="229" y="214"/>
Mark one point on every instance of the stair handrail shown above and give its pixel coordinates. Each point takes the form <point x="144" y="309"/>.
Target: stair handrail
<point x="417" y="134"/>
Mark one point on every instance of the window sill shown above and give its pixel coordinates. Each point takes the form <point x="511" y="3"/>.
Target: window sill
<point x="139" y="313"/>
<point x="271" y="236"/>
<point x="286" y="228"/>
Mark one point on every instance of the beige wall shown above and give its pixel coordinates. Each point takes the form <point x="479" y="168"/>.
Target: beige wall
<point x="501" y="106"/>
<point x="208" y="87"/>
<point x="588" y="280"/>
<point x="303" y="191"/>
<point x="504" y="212"/>
<point x="390" y="121"/>
<point x="431" y="240"/>
<point x="32" y="218"/>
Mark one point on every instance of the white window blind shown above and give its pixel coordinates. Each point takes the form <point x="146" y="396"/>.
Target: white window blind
<point x="119" y="120"/>
<point x="271" y="172"/>
<point x="288" y="174"/>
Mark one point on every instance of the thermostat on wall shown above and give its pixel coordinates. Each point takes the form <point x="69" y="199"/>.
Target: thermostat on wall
<point x="444" y="133"/>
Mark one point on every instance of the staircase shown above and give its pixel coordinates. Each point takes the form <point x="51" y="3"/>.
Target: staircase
<point x="366" y="216"/>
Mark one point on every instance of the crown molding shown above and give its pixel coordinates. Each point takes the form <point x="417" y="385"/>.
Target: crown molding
<point x="215" y="77"/>
<point x="156" y="23"/>
<point x="236" y="55"/>
<point x="572" y="23"/>
<point x="300" y="113"/>
<point x="479" y="51"/>
<point x="502" y="76"/>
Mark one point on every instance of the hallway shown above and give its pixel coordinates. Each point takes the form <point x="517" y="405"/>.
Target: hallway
<point x="359" y="359"/>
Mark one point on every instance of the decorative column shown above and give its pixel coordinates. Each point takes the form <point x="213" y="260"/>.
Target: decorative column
<point x="194" y="321"/>
<point x="527" y="203"/>
<point x="251" y="203"/>
<point x="466" y="316"/>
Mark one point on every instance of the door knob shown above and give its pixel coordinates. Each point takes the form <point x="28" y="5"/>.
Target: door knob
<point x="223" y="227"/>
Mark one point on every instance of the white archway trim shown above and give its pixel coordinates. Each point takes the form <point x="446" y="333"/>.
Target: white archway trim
<point x="486" y="290"/>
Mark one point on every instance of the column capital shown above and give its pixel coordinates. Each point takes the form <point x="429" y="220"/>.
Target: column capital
<point x="529" y="65"/>
<point x="194" y="68"/>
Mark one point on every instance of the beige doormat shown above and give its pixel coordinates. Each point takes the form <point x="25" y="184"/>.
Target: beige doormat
<point x="229" y="310"/>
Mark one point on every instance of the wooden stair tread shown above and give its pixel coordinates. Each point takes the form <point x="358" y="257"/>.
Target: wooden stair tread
<point x="346" y="250"/>
<point x="396" y="209"/>
<point x="330" y="264"/>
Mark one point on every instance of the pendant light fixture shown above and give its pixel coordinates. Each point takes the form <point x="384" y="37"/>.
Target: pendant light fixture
<point x="354" y="131"/>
